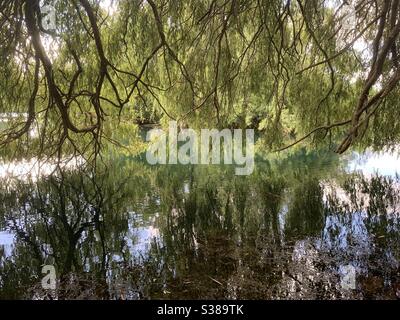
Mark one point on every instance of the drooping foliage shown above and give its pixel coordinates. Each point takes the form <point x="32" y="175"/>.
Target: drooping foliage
<point x="321" y="71"/>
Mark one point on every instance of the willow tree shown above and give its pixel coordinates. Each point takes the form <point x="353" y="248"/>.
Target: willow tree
<point x="326" y="70"/>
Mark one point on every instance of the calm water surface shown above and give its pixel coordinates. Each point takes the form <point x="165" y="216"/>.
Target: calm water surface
<point x="297" y="228"/>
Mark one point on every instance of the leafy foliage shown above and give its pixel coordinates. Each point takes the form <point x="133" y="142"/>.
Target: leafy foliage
<point x="291" y="69"/>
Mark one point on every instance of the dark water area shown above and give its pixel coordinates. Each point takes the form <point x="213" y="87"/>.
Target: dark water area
<point x="307" y="225"/>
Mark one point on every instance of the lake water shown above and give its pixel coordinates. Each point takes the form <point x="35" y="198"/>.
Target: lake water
<point x="304" y="225"/>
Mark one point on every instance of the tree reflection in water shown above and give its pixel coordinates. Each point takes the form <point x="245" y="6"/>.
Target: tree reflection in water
<point x="137" y="232"/>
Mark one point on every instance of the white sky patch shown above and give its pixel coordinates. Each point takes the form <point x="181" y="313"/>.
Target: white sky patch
<point x="110" y="6"/>
<point x="384" y="163"/>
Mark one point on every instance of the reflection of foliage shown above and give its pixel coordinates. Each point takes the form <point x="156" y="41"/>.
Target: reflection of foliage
<point x="59" y="219"/>
<point x="377" y="194"/>
<point x="211" y="228"/>
<point x="306" y="210"/>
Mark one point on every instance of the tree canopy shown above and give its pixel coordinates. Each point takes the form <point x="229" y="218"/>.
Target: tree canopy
<point x="319" y="71"/>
